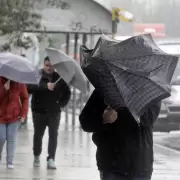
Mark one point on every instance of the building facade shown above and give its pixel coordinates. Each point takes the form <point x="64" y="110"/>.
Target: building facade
<point x="78" y="16"/>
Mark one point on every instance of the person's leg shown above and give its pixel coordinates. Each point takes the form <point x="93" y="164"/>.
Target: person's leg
<point x="12" y="130"/>
<point x="53" y="124"/>
<point x="111" y="176"/>
<point x="2" y="137"/>
<point x="142" y="178"/>
<point x="39" y="121"/>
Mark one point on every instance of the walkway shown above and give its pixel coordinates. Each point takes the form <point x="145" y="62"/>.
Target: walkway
<point x="75" y="158"/>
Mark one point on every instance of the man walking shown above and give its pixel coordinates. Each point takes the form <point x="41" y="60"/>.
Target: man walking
<point x="47" y="100"/>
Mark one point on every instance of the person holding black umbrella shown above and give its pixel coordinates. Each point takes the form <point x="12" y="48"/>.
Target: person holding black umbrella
<point x="130" y="79"/>
<point x="124" y="148"/>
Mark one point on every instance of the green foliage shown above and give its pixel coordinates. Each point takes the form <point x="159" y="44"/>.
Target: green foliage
<point x="58" y="4"/>
<point x="17" y="16"/>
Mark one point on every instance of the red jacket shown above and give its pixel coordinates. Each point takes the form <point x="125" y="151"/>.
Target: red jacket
<point x="13" y="103"/>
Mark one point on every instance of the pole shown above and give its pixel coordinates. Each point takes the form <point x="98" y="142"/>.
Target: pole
<point x="76" y="37"/>
<point x="67" y="52"/>
<point x="113" y="22"/>
<point x="57" y="81"/>
<point x="115" y="18"/>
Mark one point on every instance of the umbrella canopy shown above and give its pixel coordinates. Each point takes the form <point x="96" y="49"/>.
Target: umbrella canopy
<point x="68" y="68"/>
<point x="134" y="73"/>
<point x="18" y="69"/>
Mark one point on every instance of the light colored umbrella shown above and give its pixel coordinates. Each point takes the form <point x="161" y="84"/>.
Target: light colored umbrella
<point x="67" y="68"/>
<point x="18" y="69"/>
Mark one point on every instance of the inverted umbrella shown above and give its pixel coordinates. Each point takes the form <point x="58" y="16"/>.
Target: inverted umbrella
<point x="134" y="73"/>
<point x="18" y="68"/>
<point x="68" y="68"/>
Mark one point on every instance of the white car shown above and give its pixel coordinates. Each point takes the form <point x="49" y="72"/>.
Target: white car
<point x="169" y="118"/>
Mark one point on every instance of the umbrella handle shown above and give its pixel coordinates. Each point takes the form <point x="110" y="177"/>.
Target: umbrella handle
<point x="57" y="81"/>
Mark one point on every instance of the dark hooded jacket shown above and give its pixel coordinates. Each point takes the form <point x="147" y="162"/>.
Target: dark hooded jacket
<point x="123" y="146"/>
<point x="44" y="100"/>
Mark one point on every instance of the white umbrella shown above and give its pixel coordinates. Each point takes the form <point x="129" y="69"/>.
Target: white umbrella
<point x="67" y="68"/>
<point x="18" y="69"/>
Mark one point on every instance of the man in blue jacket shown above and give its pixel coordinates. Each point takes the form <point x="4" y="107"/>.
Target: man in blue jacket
<point x="124" y="148"/>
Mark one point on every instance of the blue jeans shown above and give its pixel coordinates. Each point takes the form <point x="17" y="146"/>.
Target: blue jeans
<point x="8" y="133"/>
<point x="115" y="176"/>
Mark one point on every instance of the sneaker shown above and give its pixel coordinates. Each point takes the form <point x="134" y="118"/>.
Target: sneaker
<point x="36" y="162"/>
<point x="51" y="164"/>
<point x="10" y="166"/>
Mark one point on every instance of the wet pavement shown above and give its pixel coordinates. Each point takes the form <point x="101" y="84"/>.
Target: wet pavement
<point x="75" y="158"/>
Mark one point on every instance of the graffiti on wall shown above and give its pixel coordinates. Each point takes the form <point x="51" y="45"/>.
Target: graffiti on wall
<point x="95" y="29"/>
<point x="59" y="4"/>
<point x="78" y="24"/>
<point x="79" y="27"/>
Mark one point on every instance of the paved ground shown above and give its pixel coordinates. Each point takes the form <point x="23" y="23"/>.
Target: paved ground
<point x="75" y="158"/>
<point x="170" y="140"/>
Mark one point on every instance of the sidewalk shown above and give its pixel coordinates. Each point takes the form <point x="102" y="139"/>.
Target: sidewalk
<point x="171" y="140"/>
<point x="75" y="158"/>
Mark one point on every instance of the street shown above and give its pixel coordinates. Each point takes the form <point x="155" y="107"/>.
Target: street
<point x="75" y="158"/>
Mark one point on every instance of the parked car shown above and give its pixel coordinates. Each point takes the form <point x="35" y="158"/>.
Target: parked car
<point x="169" y="118"/>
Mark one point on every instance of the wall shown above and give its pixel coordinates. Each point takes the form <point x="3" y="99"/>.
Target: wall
<point x="85" y="12"/>
<point x="83" y="15"/>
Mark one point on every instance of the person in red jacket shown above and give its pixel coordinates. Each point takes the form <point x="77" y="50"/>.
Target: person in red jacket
<point x="13" y="110"/>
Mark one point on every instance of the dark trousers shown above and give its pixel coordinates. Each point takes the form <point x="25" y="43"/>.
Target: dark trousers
<point x="41" y="121"/>
<point x="116" y="176"/>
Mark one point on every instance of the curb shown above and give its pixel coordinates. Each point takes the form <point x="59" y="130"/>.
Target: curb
<point x="167" y="149"/>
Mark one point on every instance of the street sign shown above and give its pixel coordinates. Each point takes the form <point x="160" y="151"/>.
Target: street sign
<point x="156" y="30"/>
<point x="119" y="14"/>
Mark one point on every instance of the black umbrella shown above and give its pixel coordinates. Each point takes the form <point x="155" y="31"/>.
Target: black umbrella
<point x="134" y="73"/>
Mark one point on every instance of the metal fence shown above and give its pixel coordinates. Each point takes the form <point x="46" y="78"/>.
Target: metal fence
<point x="70" y="42"/>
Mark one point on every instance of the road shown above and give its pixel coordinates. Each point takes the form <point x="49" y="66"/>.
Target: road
<point x="75" y="158"/>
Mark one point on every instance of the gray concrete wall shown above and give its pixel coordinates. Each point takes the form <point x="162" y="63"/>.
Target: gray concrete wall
<point x="85" y="12"/>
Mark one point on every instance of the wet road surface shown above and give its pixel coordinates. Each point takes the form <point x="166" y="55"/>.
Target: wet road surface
<point x="75" y="158"/>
